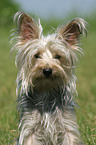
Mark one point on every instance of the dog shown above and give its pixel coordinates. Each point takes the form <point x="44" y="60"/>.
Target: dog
<point x="46" y="81"/>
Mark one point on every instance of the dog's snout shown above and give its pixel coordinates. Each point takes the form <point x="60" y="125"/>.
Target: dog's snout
<point x="47" y="72"/>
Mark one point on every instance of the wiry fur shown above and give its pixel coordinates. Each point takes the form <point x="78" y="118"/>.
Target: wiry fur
<point x="47" y="104"/>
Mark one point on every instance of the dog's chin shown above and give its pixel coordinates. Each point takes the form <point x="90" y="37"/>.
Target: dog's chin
<point x="47" y="84"/>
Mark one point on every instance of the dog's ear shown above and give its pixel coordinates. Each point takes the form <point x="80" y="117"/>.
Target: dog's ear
<point x="27" y="27"/>
<point x="72" y="31"/>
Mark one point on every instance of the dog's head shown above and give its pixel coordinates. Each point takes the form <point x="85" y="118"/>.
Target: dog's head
<point x="46" y="62"/>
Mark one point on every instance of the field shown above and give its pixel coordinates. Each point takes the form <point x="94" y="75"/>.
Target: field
<point x="86" y="86"/>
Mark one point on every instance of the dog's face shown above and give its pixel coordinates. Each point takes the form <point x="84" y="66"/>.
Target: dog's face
<point x="46" y="62"/>
<point x="50" y="66"/>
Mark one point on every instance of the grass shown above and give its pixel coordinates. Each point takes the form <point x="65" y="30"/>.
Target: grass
<point x="87" y="91"/>
<point x="8" y="117"/>
<point x="86" y="85"/>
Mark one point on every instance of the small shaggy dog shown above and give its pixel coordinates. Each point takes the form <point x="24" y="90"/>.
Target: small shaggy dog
<point x="46" y="82"/>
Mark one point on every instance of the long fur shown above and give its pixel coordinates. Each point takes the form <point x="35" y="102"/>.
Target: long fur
<point x="47" y="106"/>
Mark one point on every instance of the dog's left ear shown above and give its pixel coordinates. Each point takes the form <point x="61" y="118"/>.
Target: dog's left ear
<point x="72" y="31"/>
<point x="27" y="27"/>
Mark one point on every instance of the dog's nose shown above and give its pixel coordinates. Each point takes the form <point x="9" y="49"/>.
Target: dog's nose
<point x="47" y="72"/>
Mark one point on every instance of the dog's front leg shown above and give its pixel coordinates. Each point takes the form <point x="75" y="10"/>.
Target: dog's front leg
<point x="71" y="135"/>
<point x="30" y="123"/>
<point x="32" y="140"/>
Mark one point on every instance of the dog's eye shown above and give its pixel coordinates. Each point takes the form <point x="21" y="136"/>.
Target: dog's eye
<point x="37" y="55"/>
<point x="57" y="56"/>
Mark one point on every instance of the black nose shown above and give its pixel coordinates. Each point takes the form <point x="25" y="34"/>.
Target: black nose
<point x="47" y="72"/>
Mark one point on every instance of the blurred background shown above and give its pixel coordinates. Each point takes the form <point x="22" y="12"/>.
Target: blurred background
<point x="52" y="13"/>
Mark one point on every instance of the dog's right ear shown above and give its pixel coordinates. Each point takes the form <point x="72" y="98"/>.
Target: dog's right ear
<point x="27" y="27"/>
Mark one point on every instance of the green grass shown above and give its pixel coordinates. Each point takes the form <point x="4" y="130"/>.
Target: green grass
<point x="86" y="85"/>
<point x="8" y="115"/>
<point x="87" y="90"/>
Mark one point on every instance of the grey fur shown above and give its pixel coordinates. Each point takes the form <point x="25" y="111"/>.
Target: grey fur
<point x="47" y="105"/>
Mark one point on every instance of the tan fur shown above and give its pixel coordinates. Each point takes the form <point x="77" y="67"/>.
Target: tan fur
<point x="46" y="82"/>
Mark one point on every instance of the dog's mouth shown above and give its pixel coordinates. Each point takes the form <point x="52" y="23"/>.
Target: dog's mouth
<point x="48" y="82"/>
<point x="48" y="78"/>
